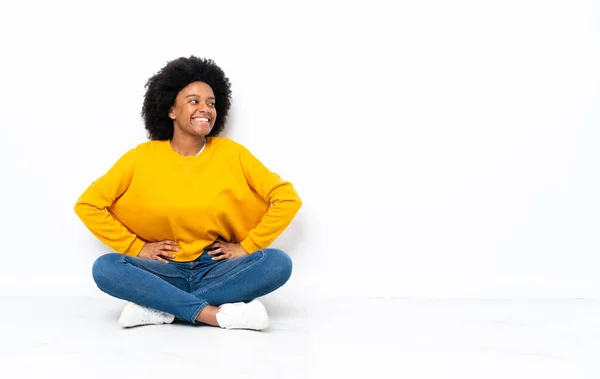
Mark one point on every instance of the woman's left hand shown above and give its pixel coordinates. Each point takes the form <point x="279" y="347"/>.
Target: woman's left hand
<point x="226" y="250"/>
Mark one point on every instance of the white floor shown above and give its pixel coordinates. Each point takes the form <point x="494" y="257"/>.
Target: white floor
<point x="312" y="338"/>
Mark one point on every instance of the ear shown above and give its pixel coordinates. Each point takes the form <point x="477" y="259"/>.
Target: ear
<point x="171" y="114"/>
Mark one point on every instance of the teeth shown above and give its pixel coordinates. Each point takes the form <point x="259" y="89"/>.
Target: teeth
<point x="201" y="119"/>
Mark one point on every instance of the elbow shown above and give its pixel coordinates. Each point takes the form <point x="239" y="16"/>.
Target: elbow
<point x="291" y="204"/>
<point x="287" y="198"/>
<point x="294" y="204"/>
<point x="83" y="209"/>
<point x="296" y="200"/>
<point x="80" y="206"/>
<point x="77" y="208"/>
<point x="297" y="204"/>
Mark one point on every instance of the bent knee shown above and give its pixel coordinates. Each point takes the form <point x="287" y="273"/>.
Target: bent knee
<point x="281" y="264"/>
<point x="103" y="266"/>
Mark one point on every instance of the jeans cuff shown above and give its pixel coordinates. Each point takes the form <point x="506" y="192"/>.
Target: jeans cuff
<point x="203" y="305"/>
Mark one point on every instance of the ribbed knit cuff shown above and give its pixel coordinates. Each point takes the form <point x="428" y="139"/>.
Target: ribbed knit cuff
<point x="249" y="245"/>
<point x="135" y="248"/>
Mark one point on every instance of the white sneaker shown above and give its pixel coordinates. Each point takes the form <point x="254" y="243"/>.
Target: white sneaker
<point x="134" y="314"/>
<point x="252" y="315"/>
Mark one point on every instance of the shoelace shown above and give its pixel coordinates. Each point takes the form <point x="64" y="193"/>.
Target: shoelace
<point x="149" y="315"/>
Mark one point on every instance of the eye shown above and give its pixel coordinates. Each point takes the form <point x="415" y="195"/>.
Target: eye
<point x="194" y="101"/>
<point x="212" y="105"/>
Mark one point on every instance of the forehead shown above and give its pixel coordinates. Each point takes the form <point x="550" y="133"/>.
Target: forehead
<point x="197" y="88"/>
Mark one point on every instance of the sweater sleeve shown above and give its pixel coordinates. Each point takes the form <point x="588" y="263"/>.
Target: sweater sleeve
<point x="91" y="207"/>
<point x="283" y="199"/>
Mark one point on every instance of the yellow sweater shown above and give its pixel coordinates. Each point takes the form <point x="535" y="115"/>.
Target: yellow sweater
<point x="153" y="193"/>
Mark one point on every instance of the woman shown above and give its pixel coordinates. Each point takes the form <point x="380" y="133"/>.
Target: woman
<point x="190" y="215"/>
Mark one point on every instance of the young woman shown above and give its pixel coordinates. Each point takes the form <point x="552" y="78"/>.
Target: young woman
<point x="189" y="215"/>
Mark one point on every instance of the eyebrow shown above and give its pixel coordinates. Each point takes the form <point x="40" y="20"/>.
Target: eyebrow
<point x="193" y="94"/>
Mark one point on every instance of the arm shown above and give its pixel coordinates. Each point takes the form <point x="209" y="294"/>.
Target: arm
<point x="282" y="196"/>
<point x="91" y="207"/>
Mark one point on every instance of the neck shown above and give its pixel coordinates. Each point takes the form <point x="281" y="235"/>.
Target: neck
<point x="189" y="146"/>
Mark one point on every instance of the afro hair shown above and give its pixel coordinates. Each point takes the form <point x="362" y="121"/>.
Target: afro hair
<point x="163" y="87"/>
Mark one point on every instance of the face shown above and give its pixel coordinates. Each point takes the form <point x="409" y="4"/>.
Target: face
<point x="194" y="110"/>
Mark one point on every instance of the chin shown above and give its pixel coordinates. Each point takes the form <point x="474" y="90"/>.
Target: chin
<point x="201" y="132"/>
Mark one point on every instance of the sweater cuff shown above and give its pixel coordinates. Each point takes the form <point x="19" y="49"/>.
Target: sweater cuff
<point x="249" y="245"/>
<point x="135" y="248"/>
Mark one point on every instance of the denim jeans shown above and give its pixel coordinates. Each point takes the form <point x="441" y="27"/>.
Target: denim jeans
<point x="183" y="289"/>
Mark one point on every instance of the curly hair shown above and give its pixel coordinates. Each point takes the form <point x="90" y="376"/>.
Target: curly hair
<point x="163" y="87"/>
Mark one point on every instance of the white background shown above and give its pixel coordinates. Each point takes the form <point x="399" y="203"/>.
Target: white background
<point x="441" y="148"/>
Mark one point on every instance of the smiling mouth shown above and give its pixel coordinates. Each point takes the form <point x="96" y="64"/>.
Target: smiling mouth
<point x="201" y="121"/>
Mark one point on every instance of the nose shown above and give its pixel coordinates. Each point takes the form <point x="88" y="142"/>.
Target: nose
<point x="202" y="107"/>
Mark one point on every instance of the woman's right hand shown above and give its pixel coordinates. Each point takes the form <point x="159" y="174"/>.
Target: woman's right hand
<point x="158" y="250"/>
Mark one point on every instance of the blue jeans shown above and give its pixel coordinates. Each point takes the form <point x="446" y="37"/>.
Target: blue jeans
<point x="184" y="289"/>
